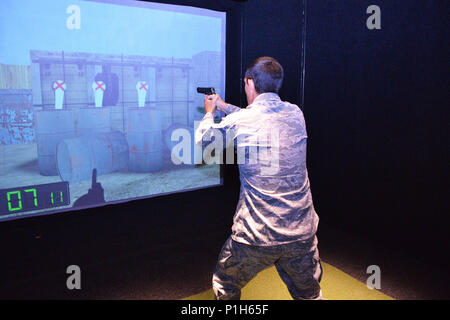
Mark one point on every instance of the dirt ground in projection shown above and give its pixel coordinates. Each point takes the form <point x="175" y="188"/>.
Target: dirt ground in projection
<point x="19" y="167"/>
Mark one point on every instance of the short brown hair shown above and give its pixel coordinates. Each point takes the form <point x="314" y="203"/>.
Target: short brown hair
<point x="267" y="74"/>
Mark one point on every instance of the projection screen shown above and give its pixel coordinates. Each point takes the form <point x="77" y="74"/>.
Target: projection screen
<point x="98" y="101"/>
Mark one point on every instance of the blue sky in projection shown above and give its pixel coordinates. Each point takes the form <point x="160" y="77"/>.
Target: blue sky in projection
<point x="105" y="28"/>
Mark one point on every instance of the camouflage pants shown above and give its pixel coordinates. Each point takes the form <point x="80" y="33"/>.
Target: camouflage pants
<point x="297" y="263"/>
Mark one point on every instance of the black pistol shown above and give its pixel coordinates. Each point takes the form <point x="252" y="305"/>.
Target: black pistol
<point x="207" y="91"/>
<point x="94" y="196"/>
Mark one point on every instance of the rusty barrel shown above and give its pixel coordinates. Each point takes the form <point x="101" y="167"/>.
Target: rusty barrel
<point x="93" y="120"/>
<point x="51" y="127"/>
<point x="144" y="139"/>
<point x="78" y="157"/>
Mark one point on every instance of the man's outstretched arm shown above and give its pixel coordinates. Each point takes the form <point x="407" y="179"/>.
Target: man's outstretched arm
<point x="225" y="107"/>
<point x="207" y="126"/>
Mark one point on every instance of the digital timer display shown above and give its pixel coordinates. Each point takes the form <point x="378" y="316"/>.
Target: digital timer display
<point x="43" y="196"/>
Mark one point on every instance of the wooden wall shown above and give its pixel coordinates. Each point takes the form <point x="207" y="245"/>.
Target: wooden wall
<point x="15" y="77"/>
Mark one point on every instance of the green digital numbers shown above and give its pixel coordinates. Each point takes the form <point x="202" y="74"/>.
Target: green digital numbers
<point x="14" y="201"/>
<point x="34" y="195"/>
<point x="19" y="206"/>
<point x="19" y="198"/>
<point x="60" y="197"/>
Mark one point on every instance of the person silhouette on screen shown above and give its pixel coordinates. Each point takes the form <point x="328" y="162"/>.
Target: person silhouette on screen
<point x="275" y="222"/>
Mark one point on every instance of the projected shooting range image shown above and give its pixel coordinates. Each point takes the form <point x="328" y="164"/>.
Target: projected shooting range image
<point x="85" y="98"/>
